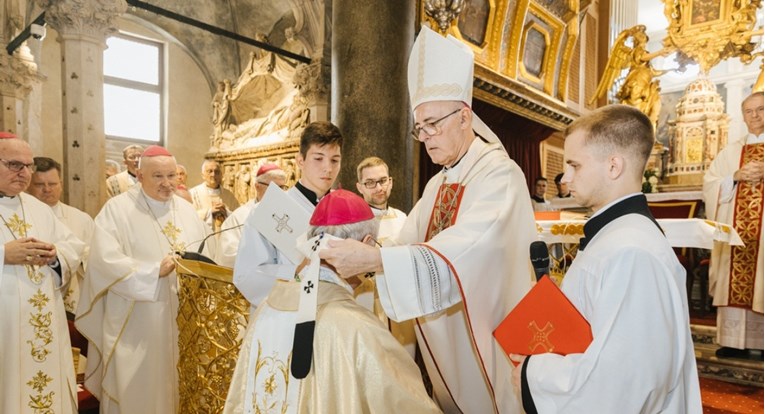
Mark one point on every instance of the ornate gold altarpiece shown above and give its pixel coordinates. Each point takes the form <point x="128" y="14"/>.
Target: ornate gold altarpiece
<point x="523" y="51"/>
<point x="212" y="319"/>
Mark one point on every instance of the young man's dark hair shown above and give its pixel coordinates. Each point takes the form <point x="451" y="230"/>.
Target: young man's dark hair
<point x="320" y="133"/>
<point x="45" y="164"/>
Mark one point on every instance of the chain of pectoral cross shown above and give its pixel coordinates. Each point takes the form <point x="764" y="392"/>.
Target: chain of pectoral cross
<point x="170" y="230"/>
<point x="21" y="226"/>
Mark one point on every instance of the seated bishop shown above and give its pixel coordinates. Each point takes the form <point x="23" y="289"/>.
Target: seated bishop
<point x="346" y="361"/>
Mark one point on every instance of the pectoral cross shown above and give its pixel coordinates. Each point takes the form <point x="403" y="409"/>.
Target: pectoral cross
<point x="281" y="223"/>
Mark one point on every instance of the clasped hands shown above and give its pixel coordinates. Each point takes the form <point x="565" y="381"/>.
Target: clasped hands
<point x="751" y="171"/>
<point x="29" y="251"/>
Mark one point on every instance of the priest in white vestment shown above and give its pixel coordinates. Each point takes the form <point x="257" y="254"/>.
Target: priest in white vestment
<point x="123" y="181"/>
<point x="625" y="280"/>
<point x="129" y="297"/>
<point x="213" y="202"/>
<point x="353" y="364"/>
<point x="231" y="234"/>
<point x="39" y="255"/>
<point x="259" y="263"/>
<point x="47" y="187"/>
<point x="733" y="194"/>
<point x="462" y="262"/>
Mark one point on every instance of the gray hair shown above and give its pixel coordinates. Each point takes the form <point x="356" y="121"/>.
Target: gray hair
<point x="355" y="231"/>
<point x="269" y="176"/>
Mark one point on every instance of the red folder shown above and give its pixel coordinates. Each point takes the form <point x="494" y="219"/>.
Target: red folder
<point x="544" y="321"/>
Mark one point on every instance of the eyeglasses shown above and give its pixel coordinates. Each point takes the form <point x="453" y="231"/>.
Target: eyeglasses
<point x="17" y="166"/>
<point x="382" y="182"/>
<point x="283" y="187"/>
<point x="431" y="128"/>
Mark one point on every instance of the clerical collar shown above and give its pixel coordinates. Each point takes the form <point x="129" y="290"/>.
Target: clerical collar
<point x="378" y="211"/>
<point x="310" y="195"/>
<point x="131" y="174"/>
<point x="632" y="204"/>
<point x="538" y="199"/>
<point x="7" y="196"/>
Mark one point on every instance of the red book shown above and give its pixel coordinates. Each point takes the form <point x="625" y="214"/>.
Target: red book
<point x="544" y="321"/>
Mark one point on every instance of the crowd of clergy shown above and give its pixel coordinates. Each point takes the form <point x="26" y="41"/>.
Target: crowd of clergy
<point x="373" y="310"/>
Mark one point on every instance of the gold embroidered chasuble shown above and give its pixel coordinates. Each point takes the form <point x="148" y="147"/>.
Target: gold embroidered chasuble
<point x="35" y="353"/>
<point x="736" y="273"/>
<point x="747" y="220"/>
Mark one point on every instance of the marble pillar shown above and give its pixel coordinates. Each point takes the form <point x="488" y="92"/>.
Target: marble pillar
<point x="83" y="28"/>
<point x="370" y="102"/>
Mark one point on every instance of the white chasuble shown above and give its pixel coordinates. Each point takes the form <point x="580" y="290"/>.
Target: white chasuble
<point x="36" y="368"/>
<point x="462" y="265"/>
<point x="127" y="312"/>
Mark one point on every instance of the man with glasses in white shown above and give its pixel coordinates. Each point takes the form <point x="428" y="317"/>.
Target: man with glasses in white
<point x="121" y="182"/>
<point x="36" y="250"/>
<point x="461" y="261"/>
<point x="375" y="185"/>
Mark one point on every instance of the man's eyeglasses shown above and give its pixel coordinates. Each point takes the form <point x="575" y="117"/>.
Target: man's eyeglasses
<point x="283" y="187"/>
<point x="431" y="128"/>
<point x="17" y="166"/>
<point x="382" y="182"/>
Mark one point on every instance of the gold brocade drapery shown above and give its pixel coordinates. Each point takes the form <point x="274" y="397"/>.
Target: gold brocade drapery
<point x="212" y="319"/>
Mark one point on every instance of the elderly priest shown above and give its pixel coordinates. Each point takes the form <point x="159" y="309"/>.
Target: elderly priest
<point x="39" y="253"/>
<point x="129" y="297"/>
<point x="462" y="261"/>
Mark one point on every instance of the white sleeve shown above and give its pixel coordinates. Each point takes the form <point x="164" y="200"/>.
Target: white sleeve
<point x="258" y="265"/>
<point x="417" y="282"/>
<point x="141" y="285"/>
<point x="727" y="190"/>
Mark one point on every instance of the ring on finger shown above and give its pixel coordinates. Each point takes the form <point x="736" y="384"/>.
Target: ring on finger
<point x="29" y="258"/>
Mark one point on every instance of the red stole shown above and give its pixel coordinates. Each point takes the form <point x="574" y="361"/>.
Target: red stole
<point x="445" y="209"/>
<point x="747" y="220"/>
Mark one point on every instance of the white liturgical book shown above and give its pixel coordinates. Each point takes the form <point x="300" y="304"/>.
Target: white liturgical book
<point x="282" y="221"/>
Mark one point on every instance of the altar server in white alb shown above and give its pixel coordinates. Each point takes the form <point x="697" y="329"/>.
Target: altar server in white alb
<point x="259" y="263"/>
<point x="462" y="263"/>
<point x="353" y="363"/>
<point x="39" y="253"/>
<point x="129" y="297"/>
<point x="625" y="280"/>
<point x="46" y="186"/>
<point x="733" y="194"/>
<point x="231" y="229"/>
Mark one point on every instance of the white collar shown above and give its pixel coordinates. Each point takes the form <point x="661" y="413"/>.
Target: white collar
<point x="754" y="139"/>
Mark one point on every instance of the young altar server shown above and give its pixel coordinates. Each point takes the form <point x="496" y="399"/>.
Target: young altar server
<point x="625" y="280"/>
<point x="353" y="364"/>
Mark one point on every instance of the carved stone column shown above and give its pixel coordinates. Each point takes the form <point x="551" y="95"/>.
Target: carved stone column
<point x="18" y="75"/>
<point x="370" y="101"/>
<point x="82" y="27"/>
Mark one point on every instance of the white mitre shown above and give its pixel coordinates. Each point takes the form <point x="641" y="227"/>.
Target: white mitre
<point x="441" y="69"/>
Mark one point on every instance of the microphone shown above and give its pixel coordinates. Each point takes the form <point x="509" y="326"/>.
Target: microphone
<point x="540" y="258"/>
<point x="198" y="254"/>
